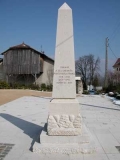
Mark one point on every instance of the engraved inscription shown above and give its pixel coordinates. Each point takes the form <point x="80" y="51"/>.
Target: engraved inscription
<point x="64" y="75"/>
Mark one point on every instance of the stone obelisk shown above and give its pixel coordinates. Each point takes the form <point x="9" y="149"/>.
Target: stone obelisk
<point x="65" y="132"/>
<point x="64" y="117"/>
<point x="64" y="68"/>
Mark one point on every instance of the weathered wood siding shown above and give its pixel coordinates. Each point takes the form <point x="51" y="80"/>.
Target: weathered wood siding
<point x="41" y="64"/>
<point x="2" y="75"/>
<point x="21" y="61"/>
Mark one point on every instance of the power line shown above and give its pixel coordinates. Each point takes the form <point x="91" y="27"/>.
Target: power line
<point x="112" y="51"/>
<point x="115" y="30"/>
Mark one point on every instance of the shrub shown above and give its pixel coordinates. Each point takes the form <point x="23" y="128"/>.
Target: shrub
<point x="4" y="85"/>
<point x="112" y="88"/>
<point x="43" y="87"/>
<point x="33" y="86"/>
<point x="14" y="86"/>
<point x="49" y="87"/>
<point x="85" y="92"/>
<point x="97" y="92"/>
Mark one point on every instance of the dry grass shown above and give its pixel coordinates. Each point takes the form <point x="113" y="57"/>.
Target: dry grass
<point x="7" y="95"/>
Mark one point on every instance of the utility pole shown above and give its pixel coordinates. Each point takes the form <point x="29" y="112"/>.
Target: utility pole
<point x="106" y="63"/>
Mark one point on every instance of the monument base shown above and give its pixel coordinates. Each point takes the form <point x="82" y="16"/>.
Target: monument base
<point x="83" y="143"/>
<point x="64" y="118"/>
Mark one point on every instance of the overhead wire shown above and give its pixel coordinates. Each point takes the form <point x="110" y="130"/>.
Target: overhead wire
<point x="115" y="30"/>
<point x="113" y="35"/>
<point x="112" y="51"/>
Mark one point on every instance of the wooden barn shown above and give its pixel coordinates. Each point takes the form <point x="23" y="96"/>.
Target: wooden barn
<point x="2" y="77"/>
<point x="25" y="65"/>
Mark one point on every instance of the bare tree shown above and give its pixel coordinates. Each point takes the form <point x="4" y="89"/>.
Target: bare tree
<point x="96" y="81"/>
<point x="82" y="67"/>
<point x="87" y="66"/>
<point x="94" y="67"/>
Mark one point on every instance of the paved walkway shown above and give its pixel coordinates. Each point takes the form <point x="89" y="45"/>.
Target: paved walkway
<point x="21" y="121"/>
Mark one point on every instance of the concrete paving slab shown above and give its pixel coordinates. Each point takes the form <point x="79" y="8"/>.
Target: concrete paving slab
<point x="76" y="157"/>
<point x="96" y="157"/>
<point x="113" y="156"/>
<point x="56" y="157"/>
<point x="23" y="119"/>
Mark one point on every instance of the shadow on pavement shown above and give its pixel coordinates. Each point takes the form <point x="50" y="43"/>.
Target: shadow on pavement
<point x="30" y="129"/>
<point x="100" y="107"/>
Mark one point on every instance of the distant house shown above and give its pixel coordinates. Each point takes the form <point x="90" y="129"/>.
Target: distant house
<point x="25" y="65"/>
<point x="116" y="66"/>
<point x="116" y="77"/>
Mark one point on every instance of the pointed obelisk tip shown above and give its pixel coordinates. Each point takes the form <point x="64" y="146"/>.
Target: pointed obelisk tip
<point x="64" y="7"/>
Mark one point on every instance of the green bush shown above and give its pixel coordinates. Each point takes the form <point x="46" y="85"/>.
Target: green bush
<point x="14" y="86"/>
<point x="33" y="87"/>
<point x="43" y="87"/>
<point x="4" y="85"/>
<point x="98" y="92"/>
<point x="85" y="92"/>
<point x="49" y="87"/>
<point x="17" y="86"/>
<point x="112" y="88"/>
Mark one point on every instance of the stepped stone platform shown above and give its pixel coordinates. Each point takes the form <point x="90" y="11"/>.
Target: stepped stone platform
<point x="83" y="143"/>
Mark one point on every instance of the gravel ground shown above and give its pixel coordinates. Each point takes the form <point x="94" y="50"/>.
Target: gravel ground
<point x="8" y="95"/>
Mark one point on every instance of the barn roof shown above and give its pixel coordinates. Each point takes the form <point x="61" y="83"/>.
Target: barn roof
<point x="117" y="63"/>
<point x="25" y="46"/>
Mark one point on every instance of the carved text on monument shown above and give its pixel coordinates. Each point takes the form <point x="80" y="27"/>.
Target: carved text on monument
<point x="64" y="75"/>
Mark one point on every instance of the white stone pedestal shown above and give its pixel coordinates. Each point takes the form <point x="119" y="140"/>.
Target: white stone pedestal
<point x="83" y="143"/>
<point x="64" y="118"/>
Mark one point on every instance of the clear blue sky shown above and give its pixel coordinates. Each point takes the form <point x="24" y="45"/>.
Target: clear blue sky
<point x="34" y="22"/>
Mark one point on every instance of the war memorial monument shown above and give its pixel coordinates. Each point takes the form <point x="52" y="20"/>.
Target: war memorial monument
<point x="65" y="133"/>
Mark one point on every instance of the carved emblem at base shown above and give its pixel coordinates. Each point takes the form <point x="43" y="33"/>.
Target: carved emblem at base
<point x="64" y="125"/>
